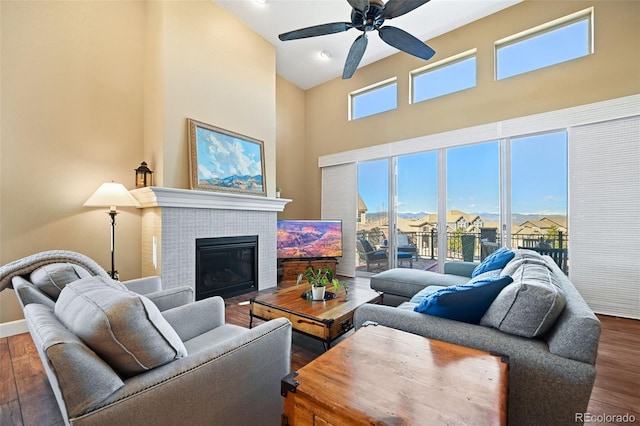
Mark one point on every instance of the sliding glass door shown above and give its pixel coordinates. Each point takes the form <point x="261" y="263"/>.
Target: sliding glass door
<point x="373" y="216"/>
<point x="417" y="210"/>
<point x="511" y="192"/>
<point x="473" y="201"/>
<point x="539" y="193"/>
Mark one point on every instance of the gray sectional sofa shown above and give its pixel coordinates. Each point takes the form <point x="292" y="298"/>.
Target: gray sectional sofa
<point x="550" y="374"/>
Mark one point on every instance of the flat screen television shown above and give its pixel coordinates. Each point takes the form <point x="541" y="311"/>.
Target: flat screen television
<point x="309" y="239"/>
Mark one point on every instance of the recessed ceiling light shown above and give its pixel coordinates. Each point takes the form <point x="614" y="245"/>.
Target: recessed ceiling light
<point x="261" y="1"/>
<point x="325" y="55"/>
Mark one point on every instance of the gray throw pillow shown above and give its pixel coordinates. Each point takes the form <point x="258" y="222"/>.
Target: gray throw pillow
<point x="521" y="257"/>
<point x="529" y="306"/>
<point x="85" y="378"/>
<point x="124" y="328"/>
<point x="51" y="279"/>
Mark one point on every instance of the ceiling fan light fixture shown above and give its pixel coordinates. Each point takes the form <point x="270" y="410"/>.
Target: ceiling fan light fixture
<point x="367" y="16"/>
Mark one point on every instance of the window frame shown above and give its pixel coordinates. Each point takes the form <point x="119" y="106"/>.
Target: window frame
<point x="539" y="30"/>
<point x="444" y="63"/>
<point x="371" y="88"/>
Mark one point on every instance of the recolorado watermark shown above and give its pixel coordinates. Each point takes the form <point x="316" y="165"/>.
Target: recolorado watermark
<point x="605" y="418"/>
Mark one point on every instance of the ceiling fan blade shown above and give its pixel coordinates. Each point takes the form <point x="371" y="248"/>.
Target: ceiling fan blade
<point x="395" y="8"/>
<point x="361" y="5"/>
<point x="355" y="56"/>
<point x="404" y="41"/>
<point x="316" y="30"/>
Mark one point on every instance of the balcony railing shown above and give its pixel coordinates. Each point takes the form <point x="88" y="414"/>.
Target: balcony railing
<point x="464" y="245"/>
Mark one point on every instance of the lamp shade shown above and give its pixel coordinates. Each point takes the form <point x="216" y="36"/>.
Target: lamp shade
<point x="111" y="195"/>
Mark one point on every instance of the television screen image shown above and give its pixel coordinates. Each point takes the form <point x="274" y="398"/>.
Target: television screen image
<point x="309" y="239"/>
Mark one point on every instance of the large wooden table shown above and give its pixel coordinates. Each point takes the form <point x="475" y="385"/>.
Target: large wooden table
<point x="324" y="320"/>
<point x="382" y="376"/>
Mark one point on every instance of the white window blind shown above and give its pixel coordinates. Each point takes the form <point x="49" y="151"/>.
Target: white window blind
<point x="604" y="218"/>
<point x="340" y="201"/>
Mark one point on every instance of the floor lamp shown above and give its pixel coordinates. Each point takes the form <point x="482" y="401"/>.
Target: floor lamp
<point x="112" y="195"/>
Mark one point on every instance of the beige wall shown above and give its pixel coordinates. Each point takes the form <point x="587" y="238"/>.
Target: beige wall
<point x="220" y="72"/>
<point x="92" y="88"/>
<point x="291" y="152"/>
<point x="612" y="71"/>
<point x="71" y="119"/>
<point x="154" y="76"/>
<point x="202" y="64"/>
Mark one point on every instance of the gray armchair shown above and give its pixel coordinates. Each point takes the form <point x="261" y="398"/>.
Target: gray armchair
<point x="151" y="287"/>
<point x="39" y="278"/>
<point x="180" y="366"/>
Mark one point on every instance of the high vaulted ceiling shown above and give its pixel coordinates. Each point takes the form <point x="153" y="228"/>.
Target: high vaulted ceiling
<point x="300" y="62"/>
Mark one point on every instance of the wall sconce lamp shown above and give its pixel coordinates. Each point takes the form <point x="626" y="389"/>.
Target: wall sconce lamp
<point x="144" y="176"/>
<point x="112" y="195"/>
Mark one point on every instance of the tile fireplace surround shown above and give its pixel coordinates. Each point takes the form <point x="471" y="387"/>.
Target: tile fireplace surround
<point x="172" y="219"/>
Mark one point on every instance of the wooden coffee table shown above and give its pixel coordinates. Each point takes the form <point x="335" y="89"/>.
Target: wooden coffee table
<point x="383" y="376"/>
<point x="323" y="320"/>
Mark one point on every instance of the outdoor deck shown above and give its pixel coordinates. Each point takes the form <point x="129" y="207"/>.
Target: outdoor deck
<point x="461" y="246"/>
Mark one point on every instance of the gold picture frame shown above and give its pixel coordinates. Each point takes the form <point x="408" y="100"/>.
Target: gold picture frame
<point x="222" y="160"/>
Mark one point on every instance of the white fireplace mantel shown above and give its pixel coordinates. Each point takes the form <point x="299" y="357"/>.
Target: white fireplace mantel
<point x="173" y="219"/>
<point x="155" y="196"/>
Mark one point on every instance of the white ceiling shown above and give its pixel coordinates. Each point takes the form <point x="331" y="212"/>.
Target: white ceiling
<point x="299" y="61"/>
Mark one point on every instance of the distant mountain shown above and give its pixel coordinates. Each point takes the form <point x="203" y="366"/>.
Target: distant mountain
<point x="518" y="218"/>
<point x="489" y="217"/>
<point x="236" y="182"/>
<point x="412" y="215"/>
<point x="382" y="215"/>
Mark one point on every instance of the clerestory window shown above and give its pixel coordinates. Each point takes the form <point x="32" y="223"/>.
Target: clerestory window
<point x="444" y="77"/>
<point x="374" y="99"/>
<point x="558" y="41"/>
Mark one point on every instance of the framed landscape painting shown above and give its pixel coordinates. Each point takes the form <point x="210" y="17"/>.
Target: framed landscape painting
<point x="222" y="160"/>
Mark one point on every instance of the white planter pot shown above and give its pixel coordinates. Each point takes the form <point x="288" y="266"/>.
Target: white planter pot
<point x="318" y="293"/>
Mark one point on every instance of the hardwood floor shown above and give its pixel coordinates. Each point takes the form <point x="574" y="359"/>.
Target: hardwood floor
<point x="617" y="386"/>
<point x="27" y="399"/>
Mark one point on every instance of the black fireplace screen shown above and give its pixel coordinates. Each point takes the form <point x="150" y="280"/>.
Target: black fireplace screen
<point x="226" y="266"/>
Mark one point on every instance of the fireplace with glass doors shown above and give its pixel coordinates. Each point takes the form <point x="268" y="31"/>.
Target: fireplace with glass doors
<point x="226" y="266"/>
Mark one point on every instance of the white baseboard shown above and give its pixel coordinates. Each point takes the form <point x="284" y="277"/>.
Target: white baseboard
<point x="12" y="328"/>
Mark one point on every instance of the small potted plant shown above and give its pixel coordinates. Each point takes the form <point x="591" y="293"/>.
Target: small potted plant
<point x="319" y="279"/>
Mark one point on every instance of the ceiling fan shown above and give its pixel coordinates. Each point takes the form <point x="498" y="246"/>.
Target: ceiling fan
<point x="369" y="15"/>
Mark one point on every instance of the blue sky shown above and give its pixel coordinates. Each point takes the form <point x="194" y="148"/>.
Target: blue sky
<point x="221" y="155"/>
<point x="538" y="163"/>
<point x="538" y="175"/>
